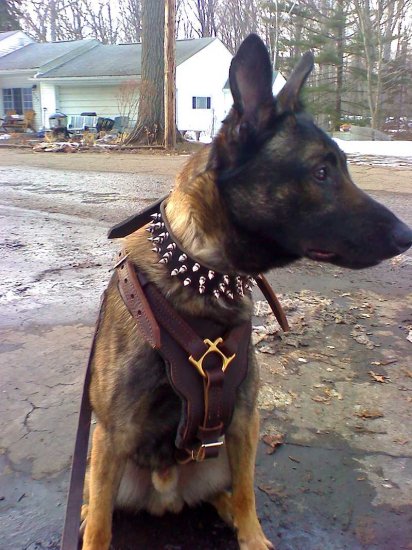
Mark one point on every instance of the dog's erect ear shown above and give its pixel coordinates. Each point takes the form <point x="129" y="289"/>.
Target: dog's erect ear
<point x="288" y="97"/>
<point x="250" y="78"/>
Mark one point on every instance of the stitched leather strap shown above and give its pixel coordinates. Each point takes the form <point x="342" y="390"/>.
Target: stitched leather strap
<point x="136" y="302"/>
<point x="274" y="303"/>
<point x="135" y="222"/>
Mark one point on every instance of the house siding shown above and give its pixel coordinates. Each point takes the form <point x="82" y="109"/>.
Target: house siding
<point x="73" y="100"/>
<point x="203" y="75"/>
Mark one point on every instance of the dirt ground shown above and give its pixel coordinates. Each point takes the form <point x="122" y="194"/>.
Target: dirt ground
<point x="334" y="469"/>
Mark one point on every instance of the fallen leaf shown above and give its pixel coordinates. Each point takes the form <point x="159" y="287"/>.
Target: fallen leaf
<point x="294" y="459"/>
<point x="379" y="377"/>
<point x="273" y="441"/>
<point x="407" y="372"/>
<point x="401" y="441"/>
<point x="369" y="413"/>
<point x="321" y="399"/>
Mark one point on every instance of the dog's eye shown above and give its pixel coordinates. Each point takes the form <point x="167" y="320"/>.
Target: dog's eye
<point x="321" y="173"/>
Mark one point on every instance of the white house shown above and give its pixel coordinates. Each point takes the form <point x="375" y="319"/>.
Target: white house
<point x="90" y="82"/>
<point x="86" y="76"/>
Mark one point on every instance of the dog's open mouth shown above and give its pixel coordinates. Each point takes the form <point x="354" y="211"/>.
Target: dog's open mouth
<point x="321" y="255"/>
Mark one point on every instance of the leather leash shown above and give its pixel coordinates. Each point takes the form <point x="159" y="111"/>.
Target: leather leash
<point x="70" y="537"/>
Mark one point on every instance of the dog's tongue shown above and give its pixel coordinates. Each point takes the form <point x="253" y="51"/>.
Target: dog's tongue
<point x="321" y="255"/>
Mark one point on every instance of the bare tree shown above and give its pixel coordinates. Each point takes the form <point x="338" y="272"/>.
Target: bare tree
<point x="203" y="13"/>
<point x="237" y="19"/>
<point x="131" y="20"/>
<point x="56" y="20"/>
<point x="128" y="97"/>
<point x="377" y="21"/>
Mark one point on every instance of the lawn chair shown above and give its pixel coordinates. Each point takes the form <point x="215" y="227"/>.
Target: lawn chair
<point x="28" y="121"/>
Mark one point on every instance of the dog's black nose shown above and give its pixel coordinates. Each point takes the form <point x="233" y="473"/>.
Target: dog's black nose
<point x="402" y="237"/>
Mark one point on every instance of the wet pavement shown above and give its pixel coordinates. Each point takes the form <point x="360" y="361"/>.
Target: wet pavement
<point x="337" y="391"/>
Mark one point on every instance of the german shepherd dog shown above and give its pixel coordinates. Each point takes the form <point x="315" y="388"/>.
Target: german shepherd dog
<point x="271" y="188"/>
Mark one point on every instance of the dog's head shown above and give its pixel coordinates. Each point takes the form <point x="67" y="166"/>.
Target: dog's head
<point x="284" y="183"/>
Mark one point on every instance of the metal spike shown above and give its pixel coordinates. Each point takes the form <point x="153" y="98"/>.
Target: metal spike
<point x="158" y="239"/>
<point x="158" y="225"/>
<point x="202" y="280"/>
<point x="174" y="272"/>
<point x="211" y="274"/>
<point x="196" y="267"/>
<point x="151" y="239"/>
<point x="201" y="289"/>
<point x="222" y="287"/>
<point x="163" y="261"/>
<point x="171" y="246"/>
<point x="226" y="279"/>
<point x="167" y="255"/>
<point x="156" y="249"/>
<point x="183" y="269"/>
<point x="187" y="282"/>
<point x="216" y="293"/>
<point x="248" y="286"/>
<point x="164" y="235"/>
<point x="253" y="281"/>
<point x="230" y="294"/>
<point x="150" y="229"/>
<point x="182" y="258"/>
<point x="156" y="216"/>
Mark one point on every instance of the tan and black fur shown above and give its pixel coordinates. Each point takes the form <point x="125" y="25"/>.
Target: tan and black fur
<point x="271" y="188"/>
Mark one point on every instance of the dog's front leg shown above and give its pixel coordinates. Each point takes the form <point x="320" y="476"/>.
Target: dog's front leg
<point x="241" y="447"/>
<point x="106" y="469"/>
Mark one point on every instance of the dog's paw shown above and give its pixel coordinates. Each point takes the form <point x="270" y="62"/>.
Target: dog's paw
<point x="256" y="542"/>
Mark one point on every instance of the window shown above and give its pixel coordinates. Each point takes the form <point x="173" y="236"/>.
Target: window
<point x="201" y="103"/>
<point x="17" y="99"/>
<point x="8" y="100"/>
<point x="27" y="99"/>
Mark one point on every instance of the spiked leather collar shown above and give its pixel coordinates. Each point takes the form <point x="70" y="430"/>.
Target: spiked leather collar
<point x="192" y="273"/>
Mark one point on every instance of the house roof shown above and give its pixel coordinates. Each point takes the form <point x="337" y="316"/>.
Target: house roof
<point x="118" y="60"/>
<point x="6" y="34"/>
<point x="34" y="56"/>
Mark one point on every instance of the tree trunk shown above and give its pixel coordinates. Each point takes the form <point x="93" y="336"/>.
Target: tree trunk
<point x="340" y="39"/>
<point x="170" y="75"/>
<point x="149" y="128"/>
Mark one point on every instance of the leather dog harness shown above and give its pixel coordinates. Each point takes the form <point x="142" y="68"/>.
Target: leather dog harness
<point x="204" y="368"/>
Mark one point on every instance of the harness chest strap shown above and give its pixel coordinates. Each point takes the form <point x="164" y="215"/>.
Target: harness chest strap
<point x="204" y="372"/>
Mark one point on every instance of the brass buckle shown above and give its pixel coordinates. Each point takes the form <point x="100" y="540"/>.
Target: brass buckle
<point x="212" y="349"/>
<point x="198" y="455"/>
